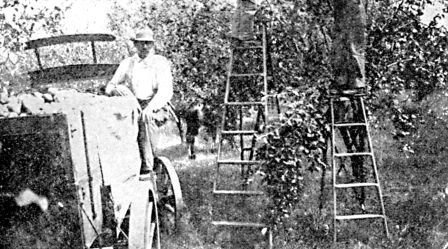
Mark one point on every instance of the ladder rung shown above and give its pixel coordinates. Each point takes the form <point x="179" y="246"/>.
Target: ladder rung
<point x="252" y="42"/>
<point x="359" y="216"/>
<point x="354" y="154"/>
<point x="350" y="124"/>
<point x="244" y="103"/>
<point x="238" y="162"/>
<point x="237" y="192"/>
<point x="246" y="74"/>
<point x="254" y="46"/>
<point x="248" y="149"/>
<point x="350" y="93"/>
<point x="240" y="132"/>
<point x="238" y="224"/>
<point x="354" y="185"/>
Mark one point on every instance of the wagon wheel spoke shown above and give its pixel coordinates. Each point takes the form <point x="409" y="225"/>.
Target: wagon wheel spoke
<point x="163" y="183"/>
<point x="168" y="202"/>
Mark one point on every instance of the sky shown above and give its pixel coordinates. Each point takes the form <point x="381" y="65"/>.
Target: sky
<point x="431" y="11"/>
<point x="90" y="16"/>
<point x="86" y="16"/>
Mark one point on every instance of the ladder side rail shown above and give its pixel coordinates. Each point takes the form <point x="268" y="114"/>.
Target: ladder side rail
<point x="229" y="75"/>
<point x="244" y="168"/>
<point x="240" y="126"/>
<point x="246" y="161"/>
<point x="333" y="166"/>
<point x="369" y="140"/>
<point x="223" y="121"/>
<point x="219" y="134"/>
<point x="220" y="146"/>
<point x="265" y="73"/>
<point x="224" y="106"/>
<point x="375" y="168"/>
<point x="254" y="137"/>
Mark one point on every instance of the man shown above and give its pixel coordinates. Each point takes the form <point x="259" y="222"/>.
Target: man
<point x="150" y="80"/>
<point x="349" y="45"/>
<point x="348" y="61"/>
<point x="242" y="27"/>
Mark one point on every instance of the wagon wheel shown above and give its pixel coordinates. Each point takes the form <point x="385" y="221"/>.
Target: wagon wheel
<point x="144" y="229"/>
<point x="168" y="190"/>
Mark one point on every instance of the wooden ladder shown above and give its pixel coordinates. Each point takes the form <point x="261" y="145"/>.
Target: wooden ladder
<point x="359" y="184"/>
<point x="234" y="125"/>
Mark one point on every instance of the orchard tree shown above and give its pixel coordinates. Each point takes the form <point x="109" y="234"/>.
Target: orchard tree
<point x="405" y="55"/>
<point x="19" y="20"/>
<point x="402" y="54"/>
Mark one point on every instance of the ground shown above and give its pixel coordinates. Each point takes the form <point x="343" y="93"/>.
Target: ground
<point x="414" y="186"/>
<point x="414" y="189"/>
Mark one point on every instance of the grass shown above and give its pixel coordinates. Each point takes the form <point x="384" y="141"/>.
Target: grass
<point x="414" y="188"/>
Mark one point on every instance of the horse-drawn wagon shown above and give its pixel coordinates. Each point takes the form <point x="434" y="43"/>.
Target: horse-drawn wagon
<point x="80" y="151"/>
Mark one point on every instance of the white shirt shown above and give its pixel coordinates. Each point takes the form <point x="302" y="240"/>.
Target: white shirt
<point x="148" y="78"/>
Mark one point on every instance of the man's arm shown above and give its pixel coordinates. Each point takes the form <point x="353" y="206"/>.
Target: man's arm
<point x="119" y="77"/>
<point x="164" y="93"/>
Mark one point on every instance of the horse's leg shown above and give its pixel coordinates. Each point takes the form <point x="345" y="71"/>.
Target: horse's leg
<point x="190" y="144"/>
<point x="181" y="130"/>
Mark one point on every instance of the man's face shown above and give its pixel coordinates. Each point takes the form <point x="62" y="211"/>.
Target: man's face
<point x="143" y="48"/>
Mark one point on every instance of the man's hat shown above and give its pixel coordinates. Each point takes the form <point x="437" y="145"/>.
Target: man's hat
<point x="143" y="35"/>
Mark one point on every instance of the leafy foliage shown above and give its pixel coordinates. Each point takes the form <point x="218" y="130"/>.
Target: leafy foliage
<point x="19" y="20"/>
<point x="404" y="56"/>
<point x="192" y="34"/>
<point x="404" y="53"/>
<point x="295" y="146"/>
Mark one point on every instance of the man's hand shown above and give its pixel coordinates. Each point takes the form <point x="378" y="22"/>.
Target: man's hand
<point x="109" y="89"/>
<point x="153" y="116"/>
<point x="118" y="90"/>
<point x="148" y="111"/>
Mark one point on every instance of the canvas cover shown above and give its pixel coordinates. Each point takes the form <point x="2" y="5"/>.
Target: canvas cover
<point x="109" y="126"/>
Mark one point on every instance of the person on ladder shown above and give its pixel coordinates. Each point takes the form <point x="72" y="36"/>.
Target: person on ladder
<point x="243" y="23"/>
<point x="242" y="26"/>
<point x="151" y="82"/>
<point x="348" y="60"/>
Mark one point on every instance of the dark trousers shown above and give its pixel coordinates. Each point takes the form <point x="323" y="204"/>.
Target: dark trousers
<point x="145" y="138"/>
<point x="349" y="45"/>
